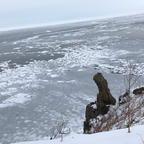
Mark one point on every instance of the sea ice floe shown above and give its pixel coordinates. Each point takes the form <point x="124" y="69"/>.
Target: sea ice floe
<point x="70" y="81"/>
<point x="4" y="64"/>
<point x="48" y="31"/>
<point x="26" y="40"/>
<point x="78" y="34"/>
<point x="103" y="38"/>
<point x="20" y="98"/>
<point x="53" y="36"/>
<point x="80" y="70"/>
<point x="8" y="91"/>
<point x="44" y="52"/>
<point x="67" y="35"/>
<point x="54" y="75"/>
<point x="17" y="48"/>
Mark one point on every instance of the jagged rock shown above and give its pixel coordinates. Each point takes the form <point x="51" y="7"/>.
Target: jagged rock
<point x="87" y="127"/>
<point x="94" y="109"/>
<point x="139" y="91"/>
<point x="101" y="106"/>
<point x="104" y="92"/>
<point x="91" y="111"/>
<point x="124" y="98"/>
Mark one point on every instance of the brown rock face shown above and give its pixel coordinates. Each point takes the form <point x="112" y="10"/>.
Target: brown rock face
<point x="124" y="98"/>
<point x="139" y="91"/>
<point x="91" y="111"/>
<point x="104" y="95"/>
<point x="101" y="106"/>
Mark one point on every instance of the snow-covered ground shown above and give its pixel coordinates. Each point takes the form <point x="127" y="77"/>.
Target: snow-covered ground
<point x="120" y="136"/>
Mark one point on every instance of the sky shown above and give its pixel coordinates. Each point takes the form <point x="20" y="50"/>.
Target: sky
<point x="19" y="13"/>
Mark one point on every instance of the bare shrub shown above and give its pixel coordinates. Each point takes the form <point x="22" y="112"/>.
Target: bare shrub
<point x="130" y="111"/>
<point x="61" y="128"/>
<point x="117" y="117"/>
<point x="131" y="76"/>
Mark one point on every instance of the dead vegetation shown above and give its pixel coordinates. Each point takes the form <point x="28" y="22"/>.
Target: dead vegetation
<point x="117" y="117"/>
<point x="60" y="129"/>
<point x="127" y="113"/>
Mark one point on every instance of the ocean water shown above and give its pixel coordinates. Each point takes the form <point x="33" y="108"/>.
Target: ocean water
<point x="46" y="73"/>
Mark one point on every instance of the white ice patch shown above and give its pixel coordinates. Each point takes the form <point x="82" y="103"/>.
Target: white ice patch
<point x="30" y="47"/>
<point x="54" y="75"/>
<point x="26" y="40"/>
<point x="20" y="98"/>
<point x="70" y="81"/>
<point x="121" y="52"/>
<point x="17" y="48"/>
<point x="94" y="106"/>
<point x="48" y="31"/>
<point x="80" y="70"/>
<point x="54" y="36"/>
<point x="4" y="64"/>
<point x="103" y="38"/>
<point x="44" y="52"/>
<point x="8" y="91"/>
<point x="67" y="35"/>
<point x="85" y="56"/>
<point x="78" y="34"/>
<point x="71" y="41"/>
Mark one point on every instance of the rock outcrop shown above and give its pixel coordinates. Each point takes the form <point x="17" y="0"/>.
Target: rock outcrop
<point x="124" y="98"/>
<point x="139" y="91"/>
<point x="101" y="106"/>
<point x="104" y="94"/>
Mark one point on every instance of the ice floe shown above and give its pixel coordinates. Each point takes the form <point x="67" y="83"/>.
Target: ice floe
<point x="20" y="98"/>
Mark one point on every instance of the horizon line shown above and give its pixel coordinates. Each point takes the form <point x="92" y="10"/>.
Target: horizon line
<point x="73" y="21"/>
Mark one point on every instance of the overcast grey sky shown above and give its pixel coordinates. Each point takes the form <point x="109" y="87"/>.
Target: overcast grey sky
<point x="15" y="13"/>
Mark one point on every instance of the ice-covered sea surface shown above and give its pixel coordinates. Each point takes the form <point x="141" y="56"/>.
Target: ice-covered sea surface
<point x="46" y="73"/>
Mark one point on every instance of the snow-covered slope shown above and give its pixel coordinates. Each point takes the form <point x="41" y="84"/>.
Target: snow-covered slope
<point x="112" y="137"/>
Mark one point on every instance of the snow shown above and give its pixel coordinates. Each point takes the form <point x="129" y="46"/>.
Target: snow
<point x="112" y="137"/>
<point x="94" y="106"/>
